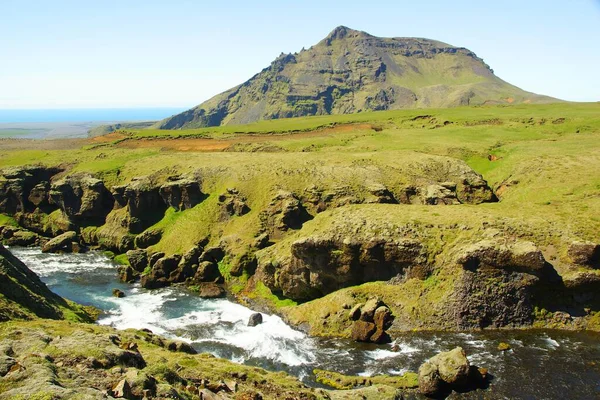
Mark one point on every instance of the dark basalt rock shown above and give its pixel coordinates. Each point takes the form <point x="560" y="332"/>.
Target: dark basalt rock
<point x="207" y="272"/>
<point x="255" y="319"/>
<point x="233" y="203"/>
<point x="145" y="206"/>
<point x="13" y="236"/>
<point x="319" y="266"/>
<point x="17" y="184"/>
<point x="212" y="254"/>
<point x="181" y="194"/>
<point x="585" y="253"/>
<point x="138" y="259"/>
<point x="20" y="285"/>
<point x="210" y="290"/>
<point x="160" y="272"/>
<point x="148" y="238"/>
<point x="82" y="198"/>
<point x="285" y="212"/>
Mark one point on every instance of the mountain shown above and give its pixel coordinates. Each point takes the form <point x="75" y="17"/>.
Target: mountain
<point x="351" y="71"/>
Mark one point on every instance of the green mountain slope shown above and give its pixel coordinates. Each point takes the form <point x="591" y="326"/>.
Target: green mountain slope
<point x="351" y="71"/>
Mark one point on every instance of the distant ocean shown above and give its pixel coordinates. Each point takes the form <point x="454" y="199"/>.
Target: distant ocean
<point x="87" y="115"/>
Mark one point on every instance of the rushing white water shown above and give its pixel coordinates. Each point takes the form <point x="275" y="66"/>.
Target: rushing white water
<point x="542" y="364"/>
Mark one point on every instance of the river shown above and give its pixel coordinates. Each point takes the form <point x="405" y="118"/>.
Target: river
<point x="541" y="364"/>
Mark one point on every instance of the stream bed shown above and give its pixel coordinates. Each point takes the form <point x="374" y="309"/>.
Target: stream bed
<point x="542" y="364"/>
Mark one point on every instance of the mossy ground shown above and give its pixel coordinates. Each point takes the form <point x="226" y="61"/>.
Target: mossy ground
<point x="543" y="161"/>
<point x="61" y="350"/>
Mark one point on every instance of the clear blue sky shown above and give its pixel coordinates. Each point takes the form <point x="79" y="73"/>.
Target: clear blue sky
<point x="132" y="53"/>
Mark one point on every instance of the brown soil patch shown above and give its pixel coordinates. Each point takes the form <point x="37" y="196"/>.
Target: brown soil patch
<point x="111" y="137"/>
<point x="208" y="144"/>
<point x="179" y="144"/>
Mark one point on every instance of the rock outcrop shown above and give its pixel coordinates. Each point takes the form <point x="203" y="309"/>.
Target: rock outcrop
<point x="497" y="284"/>
<point x="321" y="265"/>
<point x="585" y="253"/>
<point x="82" y="198"/>
<point x="449" y="371"/>
<point x="233" y="203"/>
<point x="285" y="212"/>
<point x="17" y="185"/>
<point x="25" y="296"/>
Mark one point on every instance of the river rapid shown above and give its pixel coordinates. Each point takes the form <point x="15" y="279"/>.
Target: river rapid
<point x="540" y="364"/>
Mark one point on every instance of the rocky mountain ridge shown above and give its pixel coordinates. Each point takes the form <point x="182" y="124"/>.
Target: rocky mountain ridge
<point x="351" y="71"/>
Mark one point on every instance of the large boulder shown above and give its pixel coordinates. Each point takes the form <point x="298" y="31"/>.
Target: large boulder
<point x="371" y="320"/>
<point x="362" y="331"/>
<point x="255" y="319"/>
<point x="444" y="372"/>
<point x="160" y="272"/>
<point x="62" y="242"/>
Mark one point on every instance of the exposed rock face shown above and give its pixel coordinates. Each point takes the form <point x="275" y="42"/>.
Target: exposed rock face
<point x="17" y="184"/>
<point x="82" y="198"/>
<point x="444" y="193"/>
<point x="585" y="253"/>
<point x="144" y="203"/>
<point x="233" y="203"/>
<point x="181" y="194"/>
<point x="284" y="212"/>
<point x="138" y="259"/>
<point x="496" y="287"/>
<point x="319" y="266"/>
<point x="351" y="71"/>
<point x="210" y="290"/>
<point x="517" y="256"/>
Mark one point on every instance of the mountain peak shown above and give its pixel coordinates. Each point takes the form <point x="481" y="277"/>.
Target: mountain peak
<point x="342" y="32"/>
<point x="352" y="71"/>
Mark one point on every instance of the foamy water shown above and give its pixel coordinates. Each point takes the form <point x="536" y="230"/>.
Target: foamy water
<point x="542" y="364"/>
